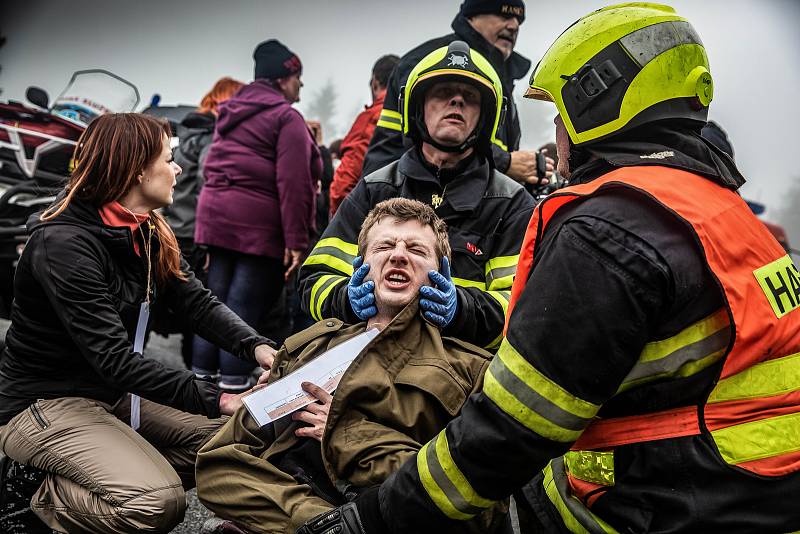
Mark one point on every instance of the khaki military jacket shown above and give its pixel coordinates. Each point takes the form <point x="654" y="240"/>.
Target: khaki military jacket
<point x="402" y="389"/>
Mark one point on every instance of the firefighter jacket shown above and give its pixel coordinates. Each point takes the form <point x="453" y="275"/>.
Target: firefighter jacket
<point x="650" y="371"/>
<point x="399" y="392"/>
<point x="388" y="144"/>
<point x="486" y="214"/>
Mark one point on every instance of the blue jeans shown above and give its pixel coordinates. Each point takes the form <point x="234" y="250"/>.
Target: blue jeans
<point x="248" y="285"/>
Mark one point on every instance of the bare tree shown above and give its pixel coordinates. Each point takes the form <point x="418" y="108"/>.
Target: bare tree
<point x="322" y="107"/>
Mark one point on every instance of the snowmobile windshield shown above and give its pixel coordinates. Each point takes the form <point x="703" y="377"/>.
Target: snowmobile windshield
<point x="91" y="93"/>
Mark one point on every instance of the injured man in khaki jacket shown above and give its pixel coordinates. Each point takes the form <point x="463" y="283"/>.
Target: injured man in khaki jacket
<point x="401" y="390"/>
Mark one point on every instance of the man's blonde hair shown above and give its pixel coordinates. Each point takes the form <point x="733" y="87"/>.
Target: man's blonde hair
<point x="404" y="209"/>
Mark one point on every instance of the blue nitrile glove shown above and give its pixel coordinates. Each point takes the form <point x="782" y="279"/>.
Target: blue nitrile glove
<point x="361" y="294"/>
<point x="439" y="303"/>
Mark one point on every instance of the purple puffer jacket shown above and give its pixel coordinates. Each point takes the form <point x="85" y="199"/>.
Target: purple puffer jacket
<point x="261" y="176"/>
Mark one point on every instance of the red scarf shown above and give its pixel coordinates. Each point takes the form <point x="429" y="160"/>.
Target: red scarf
<point x="114" y="214"/>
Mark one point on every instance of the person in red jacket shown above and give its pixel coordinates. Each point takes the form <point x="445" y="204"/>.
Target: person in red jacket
<point x="354" y="146"/>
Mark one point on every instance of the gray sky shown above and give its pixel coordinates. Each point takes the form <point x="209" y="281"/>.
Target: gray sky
<point x="178" y="48"/>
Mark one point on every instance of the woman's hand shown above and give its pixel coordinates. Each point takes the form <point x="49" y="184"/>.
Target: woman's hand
<point x="315" y="414"/>
<point x="229" y="403"/>
<point x="265" y="356"/>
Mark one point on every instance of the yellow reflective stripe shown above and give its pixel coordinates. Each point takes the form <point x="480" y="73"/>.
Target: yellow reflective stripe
<point x="390" y="119"/>
<point x="551" y="490"/>
<point x="765" y="379"/>
<point x="543" y="385"/>
<point x="502" y="297"/>
<point x="334" y="253"/>
<point x="351" y="249"/>
<point x="391" y="114"/>
<point x="527" y="417"/>
<point x="576" y="517"/>
<point x="463" y="282"/>
<point x="320" y="291"/>
<point x="455" y="475"/>
<point x="592" y="466"/>
<point x="501" y="262"/>
<point x="759" y="439"/>
<point x="499" y="143"/>
<point x="389" y="125"/>
<point x="500" y="272"/>
<point x="330" y="261"/>
<point x="691" y="350"/>
<point x="691" y="334"/>
<point x="532" y="399"/>
<point x="445" y="483"/>
<point x="324" y="295"/>
<point x="322" y="281"/>
<point x="687" y="369"/>
<point x="504" y="282"/>
<point x="434" y="491"/>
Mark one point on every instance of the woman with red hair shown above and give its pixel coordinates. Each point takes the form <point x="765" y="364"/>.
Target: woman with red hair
<point x="195" y="133"/>
<point x="103" y="432"/>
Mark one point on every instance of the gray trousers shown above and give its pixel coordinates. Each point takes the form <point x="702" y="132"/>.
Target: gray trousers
<point x="102" y="476"/>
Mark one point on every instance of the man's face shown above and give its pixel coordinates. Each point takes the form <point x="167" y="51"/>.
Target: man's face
<point x="452" y="110"/>
<point x="399" y="255"/>
<point x="501" y="32"/>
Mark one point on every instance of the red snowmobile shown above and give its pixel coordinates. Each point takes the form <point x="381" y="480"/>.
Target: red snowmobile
<point x="36" y="146"/>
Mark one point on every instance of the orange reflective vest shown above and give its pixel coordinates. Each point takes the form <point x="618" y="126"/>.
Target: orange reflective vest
<point x="753" y="412"/>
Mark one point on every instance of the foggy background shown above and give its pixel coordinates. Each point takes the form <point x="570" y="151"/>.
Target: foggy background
<point x="179" y="48"/>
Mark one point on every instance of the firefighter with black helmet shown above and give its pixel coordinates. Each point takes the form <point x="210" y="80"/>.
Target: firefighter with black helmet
<point x="649" y="379"/>
<point x="452" y="106"/>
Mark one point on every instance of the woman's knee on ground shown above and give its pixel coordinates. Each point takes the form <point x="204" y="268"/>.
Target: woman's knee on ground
<point x="158" y="510"/>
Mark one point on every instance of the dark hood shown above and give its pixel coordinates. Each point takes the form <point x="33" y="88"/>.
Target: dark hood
<point x="516" y="67"/>
<point x="668" y="143"/>
<point x="199" y="121"/>
<point x="250" y="100"/>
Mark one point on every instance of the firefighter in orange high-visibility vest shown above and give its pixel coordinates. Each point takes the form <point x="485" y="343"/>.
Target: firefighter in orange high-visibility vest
<point x="649" y="379"/>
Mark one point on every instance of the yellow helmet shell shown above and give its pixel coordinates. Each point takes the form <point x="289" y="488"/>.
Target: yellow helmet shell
<point x="622" y="66"/>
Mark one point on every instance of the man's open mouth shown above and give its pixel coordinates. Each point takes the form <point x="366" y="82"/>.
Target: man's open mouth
<point x="397" y="279"/>
<point x="455" y="117"/>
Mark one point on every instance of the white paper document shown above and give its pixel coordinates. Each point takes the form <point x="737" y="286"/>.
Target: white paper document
<point x="285" y="395"/>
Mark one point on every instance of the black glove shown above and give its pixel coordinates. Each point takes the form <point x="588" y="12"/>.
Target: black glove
<point x="362" y="516"/>
<point x="342" y="520"/>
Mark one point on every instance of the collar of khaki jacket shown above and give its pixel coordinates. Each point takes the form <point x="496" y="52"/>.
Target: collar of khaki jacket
<point x="400" y="391"/>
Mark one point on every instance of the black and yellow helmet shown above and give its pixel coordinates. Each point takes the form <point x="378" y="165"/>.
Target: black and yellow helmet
<point x="456" y="62"/>
<point x="622" y="66"/>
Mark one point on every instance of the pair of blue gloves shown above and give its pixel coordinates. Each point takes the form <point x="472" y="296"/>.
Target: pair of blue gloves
<point x="438" y="303"/>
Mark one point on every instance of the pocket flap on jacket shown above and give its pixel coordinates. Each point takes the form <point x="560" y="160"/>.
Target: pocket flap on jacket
<point x="432" y="378"/>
